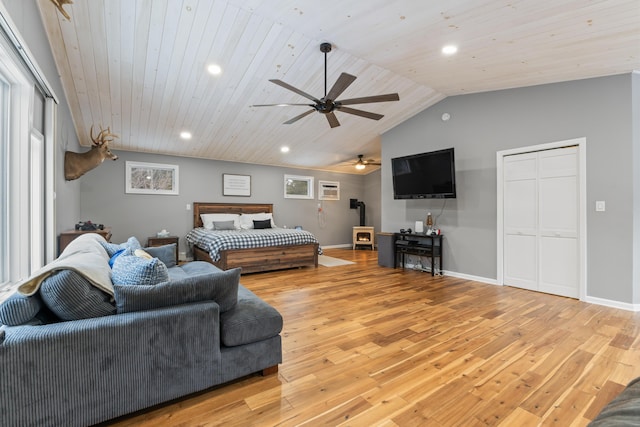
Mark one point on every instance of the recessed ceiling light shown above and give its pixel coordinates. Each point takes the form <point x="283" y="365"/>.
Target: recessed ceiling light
<point x="449" y="49"/>
<point x="185" y="135"/>
<point x="214" y="69"/>
<point x="284" y="149"/>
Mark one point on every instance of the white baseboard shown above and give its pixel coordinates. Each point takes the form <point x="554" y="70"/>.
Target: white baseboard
<point x="472" y="277"/>
<point x="612" y="304"/>
<point x="344" y="245"/>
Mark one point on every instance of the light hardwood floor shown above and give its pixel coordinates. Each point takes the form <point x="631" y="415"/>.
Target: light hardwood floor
<point x="371" y="346"/>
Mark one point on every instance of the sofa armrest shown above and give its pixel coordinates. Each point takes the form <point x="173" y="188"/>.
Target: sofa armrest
<point x="86" y="371"/>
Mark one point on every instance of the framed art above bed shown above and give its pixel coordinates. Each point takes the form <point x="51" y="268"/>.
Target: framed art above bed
<point x="236" y="185"/>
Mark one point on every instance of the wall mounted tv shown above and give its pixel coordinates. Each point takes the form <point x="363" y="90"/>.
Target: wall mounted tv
<point x="424" y="176"/>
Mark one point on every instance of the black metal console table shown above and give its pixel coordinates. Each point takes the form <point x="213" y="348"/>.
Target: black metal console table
<point x="420" y="244"/>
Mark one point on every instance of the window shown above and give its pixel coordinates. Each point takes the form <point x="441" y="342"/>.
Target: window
<point x="4" y="189"/>
<point x="22" y="175"/>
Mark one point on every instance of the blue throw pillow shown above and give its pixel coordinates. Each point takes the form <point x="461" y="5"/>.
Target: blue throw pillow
<point x="72" y="297"/>
<point x="134" y="270"/>
<point x="221" y="287"/>
<point x="116" y="255"/>
<point x="112" y="248"/>
<point x="165" y="253"/>
<point x="19" y="309"/>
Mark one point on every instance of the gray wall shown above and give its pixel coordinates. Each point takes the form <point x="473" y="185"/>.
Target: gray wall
<point x="103" y="198"/>
<point x="26" y="18"/>
<point x="372" y="199"/>
<point x="481" y="124"/>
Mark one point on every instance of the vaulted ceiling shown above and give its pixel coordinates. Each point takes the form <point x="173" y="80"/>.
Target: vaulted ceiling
<point x="140" y="66"/>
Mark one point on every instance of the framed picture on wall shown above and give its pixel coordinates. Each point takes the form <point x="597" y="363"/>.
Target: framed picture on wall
<point x="151" y="178"/>
<point x="298" y="187"/>
<point x="236" y="185"/>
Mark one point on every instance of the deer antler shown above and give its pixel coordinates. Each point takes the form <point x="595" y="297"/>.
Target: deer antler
<point x="103" y="136"/>
<point x="59" y="4"/>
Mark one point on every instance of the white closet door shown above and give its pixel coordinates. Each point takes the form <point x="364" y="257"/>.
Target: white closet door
<point x="558" y="224"/>
<point x="541" y="249"/>
<point x="520" y="221"/>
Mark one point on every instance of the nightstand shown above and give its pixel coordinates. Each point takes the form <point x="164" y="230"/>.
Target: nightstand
<point x="67" y="237"/>
<point x="161" y="241"/>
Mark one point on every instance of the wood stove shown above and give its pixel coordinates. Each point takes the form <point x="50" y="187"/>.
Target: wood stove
<point x="363" y="236"/>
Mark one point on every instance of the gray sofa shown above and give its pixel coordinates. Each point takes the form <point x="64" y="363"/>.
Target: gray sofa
<point x="129" y="349"/>
<point x="623" y="410"/>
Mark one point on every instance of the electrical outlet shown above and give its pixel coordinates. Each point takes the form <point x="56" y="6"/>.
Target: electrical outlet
<point x="600" y="206"/>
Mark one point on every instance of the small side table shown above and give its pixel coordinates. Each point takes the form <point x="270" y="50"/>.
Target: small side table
<point x="67" y="237"/>
<point x="161" y="241"/>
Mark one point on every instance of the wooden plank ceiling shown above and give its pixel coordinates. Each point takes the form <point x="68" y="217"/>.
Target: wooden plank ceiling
<point x="139" y="66"/>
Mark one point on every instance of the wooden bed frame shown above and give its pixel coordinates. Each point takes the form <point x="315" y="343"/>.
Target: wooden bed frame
<point x="253" y="260"/>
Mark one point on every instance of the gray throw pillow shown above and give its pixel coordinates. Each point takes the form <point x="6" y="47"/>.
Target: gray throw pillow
<point x="221" y="287"/>
<point x="165" y="253"/>
<point x="223" y="225"/>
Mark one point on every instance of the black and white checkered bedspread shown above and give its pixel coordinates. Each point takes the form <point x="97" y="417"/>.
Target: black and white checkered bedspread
<point x="214" y="241"/>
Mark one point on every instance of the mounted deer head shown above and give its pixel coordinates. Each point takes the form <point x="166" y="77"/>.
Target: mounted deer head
<point x="59" y="4"/>
<point x="77" y="164"/>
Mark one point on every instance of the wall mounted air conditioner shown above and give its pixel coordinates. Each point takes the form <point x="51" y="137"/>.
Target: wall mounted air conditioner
<point x="328" y="190"/>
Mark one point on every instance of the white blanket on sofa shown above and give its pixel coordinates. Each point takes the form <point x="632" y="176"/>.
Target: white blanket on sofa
<point x="84" y="255"/>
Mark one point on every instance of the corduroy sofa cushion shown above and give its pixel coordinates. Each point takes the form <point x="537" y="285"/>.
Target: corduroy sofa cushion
<point x="19" y="309"/>
<point x="71" y="297"/>
<point x="221" y="287"/>
<point x="249" y="321"/>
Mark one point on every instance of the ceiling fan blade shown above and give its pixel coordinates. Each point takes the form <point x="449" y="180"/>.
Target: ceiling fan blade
<point x="333" y="120"/>
<point x="280" y="105"/>
<point x="361" y="113"/>
<point x="340" y="86"/>
<point x="298" y="117"/>
<point x="293" y="89"/>
<point x="368" y="99"/>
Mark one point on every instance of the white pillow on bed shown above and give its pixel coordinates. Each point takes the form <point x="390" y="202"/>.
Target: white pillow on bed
<point x="246" y="220"/>
<point x="208" y="220"/>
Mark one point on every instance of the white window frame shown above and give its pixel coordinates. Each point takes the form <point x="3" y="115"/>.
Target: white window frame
<point x="18" y="156"/>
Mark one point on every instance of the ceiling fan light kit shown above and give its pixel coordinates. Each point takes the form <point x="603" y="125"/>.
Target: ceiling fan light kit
<point x="328" y="104"/>
<point x="362" y="163"/>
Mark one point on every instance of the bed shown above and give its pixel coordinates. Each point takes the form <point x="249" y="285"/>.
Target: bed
<point x="251" y="259"/>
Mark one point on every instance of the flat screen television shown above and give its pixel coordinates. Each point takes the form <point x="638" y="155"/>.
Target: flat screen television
<point x="429" y="175"/>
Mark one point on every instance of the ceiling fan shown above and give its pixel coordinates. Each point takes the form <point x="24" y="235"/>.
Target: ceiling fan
<point x="362" y="163"/>
<point x="328" y="104"/>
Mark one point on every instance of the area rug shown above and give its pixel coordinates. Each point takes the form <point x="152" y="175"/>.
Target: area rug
<point x="329" y="261"/>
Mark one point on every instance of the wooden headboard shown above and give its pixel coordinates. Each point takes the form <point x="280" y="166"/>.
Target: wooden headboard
<point x="232" y="208"/>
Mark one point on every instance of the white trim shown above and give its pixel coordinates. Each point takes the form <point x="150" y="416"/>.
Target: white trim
<point x="50" y="180"/>
<point x="581" y="143"/>
<point x="346" y="245"/>
<point x="612" y="303"/>
<point x="10" y="29"/>
<point x="480" y="279"/>
<point x="37" y="200"/>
